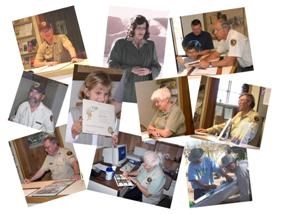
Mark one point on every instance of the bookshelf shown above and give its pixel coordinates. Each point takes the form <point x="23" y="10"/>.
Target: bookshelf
<point x="28" y="39"/>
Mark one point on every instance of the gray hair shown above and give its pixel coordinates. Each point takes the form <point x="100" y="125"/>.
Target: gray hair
<point x="153" y="159"/>
<point x="161" y="94"/>
<point x="51" y="138"/>
<point x="224" y="23"/>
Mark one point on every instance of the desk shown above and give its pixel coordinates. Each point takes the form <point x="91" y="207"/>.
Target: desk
<point x="73" y="188"/>
<point x="208" y="71"/>
<point x="59" y="71"/>
<point x="98" y="183"/>
<point x="213" y="138"/>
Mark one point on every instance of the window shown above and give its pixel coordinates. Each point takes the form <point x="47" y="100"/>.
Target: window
<point x="229" y="91"/>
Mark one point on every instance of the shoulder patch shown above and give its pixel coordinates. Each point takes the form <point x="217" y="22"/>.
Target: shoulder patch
<point x="256" y="118"/>
<point x="69" y="153"/>
<point x="51" y="118"/>
<point x="233" y="42"/>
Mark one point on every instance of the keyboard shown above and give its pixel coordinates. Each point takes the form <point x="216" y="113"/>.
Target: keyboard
<point x="128" y="167"/>
<point x="122" y="181"/>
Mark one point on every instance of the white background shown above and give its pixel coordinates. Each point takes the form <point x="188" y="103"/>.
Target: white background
<point x="266" y="31"/>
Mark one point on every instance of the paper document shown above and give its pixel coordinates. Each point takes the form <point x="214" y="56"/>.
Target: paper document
<point x="98" y="118"/>
<point x="53" y="189"/>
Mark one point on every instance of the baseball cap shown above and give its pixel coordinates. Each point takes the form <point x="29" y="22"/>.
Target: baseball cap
<point x="44" y="25"/>
<point x="40" y="87"/>
<point x="195" y="154"/>
<point x="227" y="159"/>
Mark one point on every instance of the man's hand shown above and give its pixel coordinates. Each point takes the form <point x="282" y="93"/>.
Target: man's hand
<point x="203" y="64"/>
<point x="76" y="177"/>
<point x="27" y="181"/>
<point x="201" y="130"/>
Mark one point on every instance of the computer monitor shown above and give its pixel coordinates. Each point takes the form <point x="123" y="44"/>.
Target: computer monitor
<point x="115" y="155"/>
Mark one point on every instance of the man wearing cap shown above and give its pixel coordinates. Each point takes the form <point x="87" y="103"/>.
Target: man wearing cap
<point x="200" y="172"/>
<point x="34" y="113"/>
<point x="61" y="162"/>
<point x="236" y="46"/>
<point x="50" y="52"/>
<point x="240" y="169"/>
<point x="245" y="123"/>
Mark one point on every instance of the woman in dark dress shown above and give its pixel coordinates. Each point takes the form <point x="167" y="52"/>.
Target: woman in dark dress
<point x="136" y="56"/>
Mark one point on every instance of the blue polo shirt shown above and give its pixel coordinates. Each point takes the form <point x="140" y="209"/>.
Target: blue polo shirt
<point x="202" y="172"/>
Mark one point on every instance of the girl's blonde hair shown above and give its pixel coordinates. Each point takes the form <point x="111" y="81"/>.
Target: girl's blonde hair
<point x="92" y="80"/>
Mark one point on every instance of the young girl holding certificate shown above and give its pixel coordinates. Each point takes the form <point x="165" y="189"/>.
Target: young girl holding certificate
<point x="96" y="87"/>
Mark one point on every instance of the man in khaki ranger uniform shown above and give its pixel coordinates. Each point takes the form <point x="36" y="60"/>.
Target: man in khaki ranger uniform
<point x="245" y="123"/>
<point x="61" y="162"/>
<point x="50" y="52"/>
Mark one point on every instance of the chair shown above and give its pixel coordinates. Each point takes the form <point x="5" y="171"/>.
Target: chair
<point x="166" y="199"/>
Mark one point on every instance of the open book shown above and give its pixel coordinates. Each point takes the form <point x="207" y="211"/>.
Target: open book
<point x="53" y="189"/>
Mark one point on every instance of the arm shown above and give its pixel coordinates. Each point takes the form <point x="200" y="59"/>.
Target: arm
<point x="141" y="188"/>
<point x="155" y="66"/>
<point x="76" y="170"/>
<point x="204" y="186"/>
<point x="49" y="123"/>
<point x="69" y="47"/>
<point x="36" y="176"/>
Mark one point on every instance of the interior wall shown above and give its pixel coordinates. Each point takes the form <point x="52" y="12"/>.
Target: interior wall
<point x="144" y="91"/>
<point x="186" y="23"/>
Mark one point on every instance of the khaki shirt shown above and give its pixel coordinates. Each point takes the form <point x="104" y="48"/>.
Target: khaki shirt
<point x="243" y="127"/>
<point x="41" y="118"/>
<point x="173" y="120"/>
<point x="53" y="52"/>
<point x="60" y="165"/>
<point x="237" y="45"/>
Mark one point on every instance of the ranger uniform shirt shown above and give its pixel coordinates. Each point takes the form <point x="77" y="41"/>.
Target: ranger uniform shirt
<point x="53" y="52"/>
<point x="237" y="45"/>
<point x="244" y="127"/>
<point x="60" y="165"/>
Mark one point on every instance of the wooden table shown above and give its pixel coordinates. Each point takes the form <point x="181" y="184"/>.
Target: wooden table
<point x="28" y="189"/>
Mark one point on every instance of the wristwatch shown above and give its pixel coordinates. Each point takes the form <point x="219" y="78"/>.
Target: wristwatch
<point x="210" y="65"/>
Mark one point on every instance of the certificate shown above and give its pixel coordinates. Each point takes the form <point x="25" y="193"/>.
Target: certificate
<point x="98" y="118"/>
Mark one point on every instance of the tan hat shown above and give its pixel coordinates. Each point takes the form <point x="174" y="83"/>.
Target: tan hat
<point x="195" y="154"/>
<point x="44" y="25"/>
<point x="227" y="159"/>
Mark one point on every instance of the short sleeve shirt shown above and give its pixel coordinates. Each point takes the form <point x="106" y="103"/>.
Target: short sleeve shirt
<point x="60" y="165"/>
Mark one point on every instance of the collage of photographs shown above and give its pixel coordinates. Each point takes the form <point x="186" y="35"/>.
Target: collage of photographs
<point x="215" y="125"/>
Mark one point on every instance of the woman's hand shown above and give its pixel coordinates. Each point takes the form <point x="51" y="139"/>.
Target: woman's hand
<point x="140" y="71"/>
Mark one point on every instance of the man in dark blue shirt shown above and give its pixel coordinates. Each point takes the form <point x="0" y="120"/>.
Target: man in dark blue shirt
<point x="202" y="37"/>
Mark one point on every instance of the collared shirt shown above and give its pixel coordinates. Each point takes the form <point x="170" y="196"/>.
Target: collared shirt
<point x="60" y="165"/>
<point x="41" y="118"/>
<point x="53" y="52"/>
<point x="244" y="127"/>
<point x="153" y="181"/>
<point x="237" y="45"/>
<point x="202" y="172"/>
<point x="173" y="120"/>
